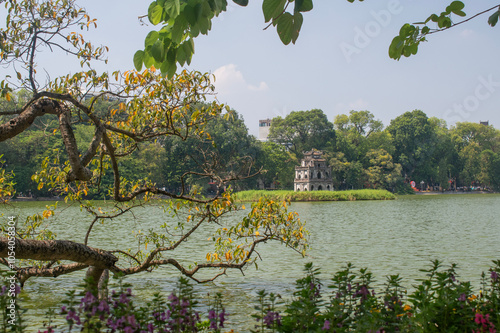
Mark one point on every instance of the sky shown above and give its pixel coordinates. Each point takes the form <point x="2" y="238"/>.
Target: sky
<point x="339" y="63"/>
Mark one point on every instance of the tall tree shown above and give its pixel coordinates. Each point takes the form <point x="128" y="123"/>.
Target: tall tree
<point x="278" y="165"/>
<point x="153" y="108"/>
<point x="302" y="131"/>
<point x="414" y="140"/>
<point x="355" y="132"/>
<point x="382" y="172"/>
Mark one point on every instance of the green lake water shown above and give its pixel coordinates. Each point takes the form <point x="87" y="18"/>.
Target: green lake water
<point x="389" y="237"/>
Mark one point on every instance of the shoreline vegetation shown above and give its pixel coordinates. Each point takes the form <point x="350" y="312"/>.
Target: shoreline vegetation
<point x="350" y="195"/>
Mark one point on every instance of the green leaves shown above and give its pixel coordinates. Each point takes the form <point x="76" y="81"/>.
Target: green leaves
<point x="138" y="59"/>
<point x="456" y="8"/>
<point x="155" y="13"/>
<point x="288" y="27"/>
<point x="172" y="8"/>
<point x="493" y="19"/>
<point x="411" y="35"/>
<point x="303" y="5"/>
<point x="243" y="3"/>
<point x="406" y="43"/>
<point x="287" y="24"/>
<point x="273" y="8"/>
<point x="184" y="20"/>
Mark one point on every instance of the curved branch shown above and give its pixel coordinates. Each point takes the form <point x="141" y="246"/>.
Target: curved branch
<point x="48" y="250"/>
<point x="78" y="171"/>
<point x="461" y="22"/>
<point x="24" y="120"/>
<point x="24" y="274"/>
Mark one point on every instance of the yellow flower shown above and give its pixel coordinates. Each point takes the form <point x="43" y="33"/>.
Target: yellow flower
<point x="407" y="308"/>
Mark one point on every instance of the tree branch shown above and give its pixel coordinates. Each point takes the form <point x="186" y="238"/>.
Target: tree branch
<point x="58" y="250"/>
<point x="24" y="120"/>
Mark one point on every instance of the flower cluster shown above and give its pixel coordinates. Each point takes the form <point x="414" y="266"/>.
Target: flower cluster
<point x="440" y="303"/>
<point x="118" y="313"/>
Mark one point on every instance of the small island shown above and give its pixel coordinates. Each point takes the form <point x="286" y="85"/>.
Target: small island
<point x="313" y="182"/>
<point x="350" y="195"/>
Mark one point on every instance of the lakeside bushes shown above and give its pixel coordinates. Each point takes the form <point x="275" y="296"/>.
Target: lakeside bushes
<point x="350" y="195"/>
<point x="440" y="302"/>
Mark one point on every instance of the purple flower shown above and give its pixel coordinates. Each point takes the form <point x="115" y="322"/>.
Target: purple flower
<point x="73" y="317"/>
<point x="494" y="276"/>
<point x="131" y="320"/>
<point x="462" y="298"/>
<point x="326" y="326"/>
<point x="103" y="306"/>
<point x="271" y="318"/>
<point x="211" y="314"/>
<point x="89" y="298"/>
<point x="222" y="318"/>
<point x="124" y="299"/>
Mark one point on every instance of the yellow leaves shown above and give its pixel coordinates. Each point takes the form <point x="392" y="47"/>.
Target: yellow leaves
<point x="229" y="256"/>
<point x="257" y="233"/>
<point x="47" y="213"/>
<point x="209" y="257"/>
<point x="93" y="21"/>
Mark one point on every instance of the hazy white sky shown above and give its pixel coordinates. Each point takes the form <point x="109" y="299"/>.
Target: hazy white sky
<point x="339" y="63"/>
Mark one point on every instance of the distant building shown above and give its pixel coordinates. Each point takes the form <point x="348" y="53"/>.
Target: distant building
<point x="485" y="123"/>
<point x="106" y="97"/>
<point x="313" y="174"/>
<point x="264" y="126"/>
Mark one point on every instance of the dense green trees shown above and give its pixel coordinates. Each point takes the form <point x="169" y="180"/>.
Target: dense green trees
<point x="360" y="151"/>
<point x="302" y="130"/>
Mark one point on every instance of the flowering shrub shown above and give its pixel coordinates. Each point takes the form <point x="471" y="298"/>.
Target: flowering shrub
<point x="439" y="303"/>
<point x="118" y="313"/>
